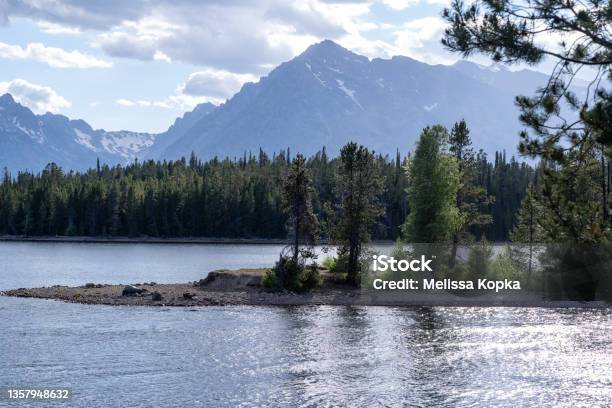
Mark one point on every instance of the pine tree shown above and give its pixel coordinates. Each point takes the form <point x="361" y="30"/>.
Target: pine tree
<point x="527" y="230"/>
<point x="221" y="198"/>
<point x="114" y="222"/>
<point x="433" y="183"/>
<point x="297" y="203"/>
<point x="471" y="198"/>
<point x="359" y="186"/>
<point x="510" y="31"/>
<point x="571" y="194"/>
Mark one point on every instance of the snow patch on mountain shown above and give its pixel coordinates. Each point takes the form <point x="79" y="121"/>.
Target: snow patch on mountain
<point x="317" y="76"/>
<point x="126" y="144"/>
<point x="348" y="92"/>
<point x="84" y="139"/>
<point x="36" y="135"/>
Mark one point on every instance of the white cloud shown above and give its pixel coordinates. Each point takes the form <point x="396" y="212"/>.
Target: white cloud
<point x="56" y="29"/>
<point x="239" y="36"/>
<point x="420" y="39"/>
<point x="39" y="98"/>
<point x="79" y="14"/>
<point x="160" y="56"/>
<point x="178" y="102"/>
<point x="368" y="26"/>
<point x="399" y="5"/>
<point x="235" y="35"/>
<point x="125" y="102"/>
<point x="214" y="84"/>
<point x="227" y="41"/>
<point x="209" y="85"/>
<point x="54" y="57"/>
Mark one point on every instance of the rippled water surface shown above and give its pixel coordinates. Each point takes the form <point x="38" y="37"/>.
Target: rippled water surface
<point x="27" y="264"/>
<point x="297" y="356"/>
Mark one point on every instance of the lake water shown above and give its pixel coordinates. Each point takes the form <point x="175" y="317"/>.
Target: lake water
<point x="271" y="356"/>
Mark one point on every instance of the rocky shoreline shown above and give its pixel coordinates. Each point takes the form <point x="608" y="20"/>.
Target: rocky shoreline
<point x="240" y="287"/>
<point x="243" y="287"/>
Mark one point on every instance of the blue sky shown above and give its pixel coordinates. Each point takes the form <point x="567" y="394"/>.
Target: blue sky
<point x="139" y="64"/>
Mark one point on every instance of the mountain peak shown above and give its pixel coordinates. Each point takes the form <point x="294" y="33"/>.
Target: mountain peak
<point x="327" y="44"/>
<point x="7" y="99"/>
<point x="328" y="48"/>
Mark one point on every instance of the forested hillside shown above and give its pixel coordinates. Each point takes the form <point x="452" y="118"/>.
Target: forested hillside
<point x="220" y="198"/>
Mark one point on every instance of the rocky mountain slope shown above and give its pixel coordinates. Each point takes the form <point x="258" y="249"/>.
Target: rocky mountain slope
<point x="326" y="96"/>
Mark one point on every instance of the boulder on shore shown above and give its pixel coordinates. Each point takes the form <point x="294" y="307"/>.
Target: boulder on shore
<point x="156" y="297"/>
<point x="131" y="290"/>
<point x="231" y="280"/>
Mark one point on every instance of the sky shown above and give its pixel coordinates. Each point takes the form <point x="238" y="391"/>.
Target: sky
<point x="139" y="64"/>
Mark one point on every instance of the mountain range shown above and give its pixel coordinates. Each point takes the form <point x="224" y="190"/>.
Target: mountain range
<point x="326" y="96"/>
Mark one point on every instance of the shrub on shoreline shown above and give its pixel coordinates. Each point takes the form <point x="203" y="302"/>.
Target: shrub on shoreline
<point x="291" y="275"/>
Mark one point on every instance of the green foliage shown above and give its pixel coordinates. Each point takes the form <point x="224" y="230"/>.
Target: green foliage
<point x="571" y="204"/>
<point x="399" y="250"/>
<point x="577" y="174"/>
<point x="472" y="199"/>
<point x="217" y="198"/>
<point x="269" y="280"/>
<point x="220" y="198"/>
<point x="337" y="264"/>
<point x="330" y="263"/>
<point x="288" y="271"/>
<point x="294" y="276"/>
<point x="507" y="182"/>
<point x="311" y="278"/>
<point x="504" y="266"/>
<point x="578" y="271"/>
<point x="510" y="32"/>
<point x="359" y="185"/>
<point x="479" y="261"/>
<point x="483" y="263"/>
<point x="528" y="228"/>
<point x="297" y="204"/>
<point x="432" y="188"/>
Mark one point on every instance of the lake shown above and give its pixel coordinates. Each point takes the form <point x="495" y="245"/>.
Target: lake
<point x="272" y="356"/>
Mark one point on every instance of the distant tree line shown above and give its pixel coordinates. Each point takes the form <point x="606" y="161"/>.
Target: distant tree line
<point x="240" y="197"/>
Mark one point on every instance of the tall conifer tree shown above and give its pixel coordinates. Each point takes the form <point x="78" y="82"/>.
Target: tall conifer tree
<point x="433" y="183"/>
<point x="359" y="186"/>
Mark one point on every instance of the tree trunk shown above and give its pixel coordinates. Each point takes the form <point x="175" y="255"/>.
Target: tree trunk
<point x="604" y="188"/>
<point x="296" y="241"/>
<point x="609" y="182"/>
<point x="453" y="255"/>
<point x="352" y="263"/>
<point x="530" y="236"/>
<point x="458" y="202"/>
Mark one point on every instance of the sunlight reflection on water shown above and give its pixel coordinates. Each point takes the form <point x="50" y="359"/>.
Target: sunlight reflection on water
<point x="294" y="356"/>
<point x="309" y="356"/>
